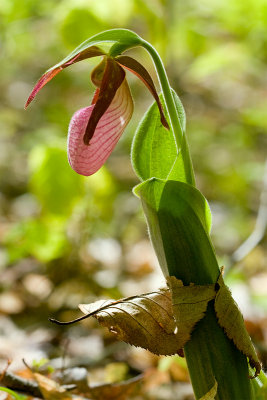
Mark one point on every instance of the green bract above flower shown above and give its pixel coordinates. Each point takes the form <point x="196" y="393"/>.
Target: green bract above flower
<point x="95" y="130"/>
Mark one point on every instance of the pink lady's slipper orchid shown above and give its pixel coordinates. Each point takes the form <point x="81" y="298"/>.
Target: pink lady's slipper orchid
<point x="95" y="130"/>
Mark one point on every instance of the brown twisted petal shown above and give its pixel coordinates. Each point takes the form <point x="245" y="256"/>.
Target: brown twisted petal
<point x="113" y="77"/>
<point x="98" y="72"/>
<point x="135" y="67"/>
<point x="93" y="51"/>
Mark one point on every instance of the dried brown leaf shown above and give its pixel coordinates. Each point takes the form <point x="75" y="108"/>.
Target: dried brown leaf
<point x="115" y="391"/>
<point x="231" y="320"/>
<point x="50" y="389"/>
<point x="162" y="321"/>
<point x="144" y="321"/>
<point x="147" y="320"/>
<point x="189" y="305"/>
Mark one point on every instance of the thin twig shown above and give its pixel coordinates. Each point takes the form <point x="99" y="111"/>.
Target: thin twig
<point x="27" y="386"/>
<point x="23" y="385"/>
<point x="55" y="321"/>
<point x="104" y="307"/>
<point x="5" y="370"/>
<point x="260" y="226"/>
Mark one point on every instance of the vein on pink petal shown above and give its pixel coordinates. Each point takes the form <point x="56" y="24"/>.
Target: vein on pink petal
<point x="87" y="159"/>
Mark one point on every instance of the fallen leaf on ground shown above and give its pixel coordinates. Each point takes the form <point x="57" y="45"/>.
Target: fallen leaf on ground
<point x="116" y="391"/>
<point x="50" y="389"/>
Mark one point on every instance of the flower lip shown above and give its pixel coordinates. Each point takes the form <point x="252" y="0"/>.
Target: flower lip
<point x="86" y="160"/>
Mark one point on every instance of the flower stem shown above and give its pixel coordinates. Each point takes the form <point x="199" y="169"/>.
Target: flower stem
<point x="210" y="354"/>
<point x="169" y="101"/>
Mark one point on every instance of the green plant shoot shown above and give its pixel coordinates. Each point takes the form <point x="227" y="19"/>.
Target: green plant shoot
<point x="206" y="323"/>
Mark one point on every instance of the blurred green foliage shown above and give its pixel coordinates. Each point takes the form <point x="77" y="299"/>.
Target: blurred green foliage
<point x="215" y="55"/>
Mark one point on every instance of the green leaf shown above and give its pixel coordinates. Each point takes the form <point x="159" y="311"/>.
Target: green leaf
<point x="43" y="238"/>
<point x="210" y="395"/>
<point x="259" y="387"/>
<point x="231" y="320"/>
<point x="12" y="393"/>
<point x="179" y="221"/>
<point x="122" y="37"/>
<point x="53" y="181"/>
<point x="154" y="152"/>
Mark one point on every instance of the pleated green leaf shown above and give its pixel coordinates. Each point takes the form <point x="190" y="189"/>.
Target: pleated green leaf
<point x="179" y="221"/>
<point x="210" y="395"/>
<point x="154" y="152"/>
<point x="259" y="387"/>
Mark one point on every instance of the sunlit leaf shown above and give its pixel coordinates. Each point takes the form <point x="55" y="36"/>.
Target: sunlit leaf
<point x="53" y="181"/>
<point x="154" y="153"/>
<point x="179" y="221"/>
<point x="210" y="395"/>
<point x="259" y="386"/>
<point x="44" y="239"/>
